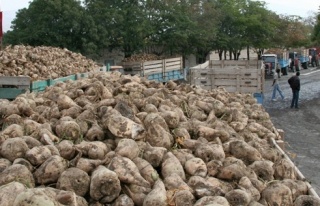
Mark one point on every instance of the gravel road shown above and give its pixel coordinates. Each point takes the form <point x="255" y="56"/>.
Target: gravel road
<point x="301" y="126"/>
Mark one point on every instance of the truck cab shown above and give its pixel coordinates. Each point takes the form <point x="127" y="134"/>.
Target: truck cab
<point x="270" y="62"/>
<point x="314" y="56"/>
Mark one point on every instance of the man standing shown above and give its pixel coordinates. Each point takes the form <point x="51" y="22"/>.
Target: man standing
<point x="294" y="82"/>
<point x="276" y="86"/>
<point x="297" y="64"/>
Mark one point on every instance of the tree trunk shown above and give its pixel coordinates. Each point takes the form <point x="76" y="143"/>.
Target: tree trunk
<point x="236" y="55"/>
<point x="202" y="56"/>
<point x="220" y="54"/>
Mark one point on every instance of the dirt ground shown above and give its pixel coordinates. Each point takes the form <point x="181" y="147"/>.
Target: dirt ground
<point x="301" y="126"/>
<point x="302" y="137"/>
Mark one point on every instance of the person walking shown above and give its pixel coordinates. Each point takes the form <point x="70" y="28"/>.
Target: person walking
<point x="294" y="83"/>
<point x="276" y="86"/>
<point x="297" y="64"/>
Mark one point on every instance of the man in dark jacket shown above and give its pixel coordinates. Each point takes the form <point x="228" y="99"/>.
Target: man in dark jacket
<point x="294" y="82"/>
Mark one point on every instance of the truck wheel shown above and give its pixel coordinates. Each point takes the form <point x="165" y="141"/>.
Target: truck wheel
<point x="284" y="70"/>
<point x="305" y="65"/>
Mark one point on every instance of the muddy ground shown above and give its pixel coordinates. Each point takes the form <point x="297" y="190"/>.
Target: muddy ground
<point x="301" y="126"/>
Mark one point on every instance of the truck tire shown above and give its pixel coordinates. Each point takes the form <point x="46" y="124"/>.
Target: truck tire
<point x="305" y="65"/>
<point x="284" y="70"/>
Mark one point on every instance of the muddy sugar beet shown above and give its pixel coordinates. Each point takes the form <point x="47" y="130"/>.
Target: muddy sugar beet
<point x="117" y="140"/>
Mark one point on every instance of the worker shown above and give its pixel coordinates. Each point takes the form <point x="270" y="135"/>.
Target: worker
<point x="291" y="65"/>
<point x="297" y="64"/>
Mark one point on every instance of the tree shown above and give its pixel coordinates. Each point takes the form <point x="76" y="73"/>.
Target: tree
<point x="163" y="27"/>
<point x="58" y="23"/>
<point x="206" y="29"/>
<point x="121" y="23"/>
<point x="294" y="33"/>
<point x="260" y="27"/>
<point x="316" y="31"/>
<point x="170" y="27"/>
<point x="231" y="27"/>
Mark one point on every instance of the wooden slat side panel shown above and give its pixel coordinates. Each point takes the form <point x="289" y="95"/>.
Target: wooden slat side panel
<point x="231" y="88"/>
<point x="235" y="76"/>
<point x="172" y="67"/>
<point x="226" y="82"/>
<point x="38" y="86"/>
<point x="153" y="66"/>
<point x="234" y="62"/>
<point x="206" y="82"/>
<point x="177" y="59"/>
<point x="82" y="75"/>
<point x="167" y="65"/>
<point x="16" y="81"/>
<point x="11" y="93"/>
<point x="63" y="79"/>
<point x="177" y="64"/>
<point x="234" y="80"/>
<point x="248" y="73"/>
<point x="234" y="71"/>
<point x="173" y="64"/>
<point x="201" y="72"/>
<point x="244" y="64"/>
<point x="146" y="64"/>
<point x="152" y="71"/>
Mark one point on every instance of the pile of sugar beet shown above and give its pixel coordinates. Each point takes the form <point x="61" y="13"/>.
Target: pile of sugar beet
<point x="119" y="140"/>
<point x="42" y="62"/>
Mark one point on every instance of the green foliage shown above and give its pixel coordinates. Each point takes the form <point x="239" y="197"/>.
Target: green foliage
<point x="121" y="23"/>
<point x="259" y="25"/>
<point x="294" y="32"/>
<point x="316" y="31"/>
<point x="163" y="27"/>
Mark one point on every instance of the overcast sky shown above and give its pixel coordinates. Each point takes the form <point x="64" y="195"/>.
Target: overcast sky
<point x="9" y="9"/>
<point x="301" y="8"/>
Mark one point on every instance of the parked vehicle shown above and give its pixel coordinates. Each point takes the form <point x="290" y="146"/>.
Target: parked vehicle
<point x="271" y="63"/>
<point x="158" y="70"/>
<point x="278" y="58"/>
<point x="284" y="61"/>
<point x="10" y="87"/>
<point x="304" y="58"/>
<point x="294" y="62"/>
<point x="243" y="76"/>
<point x="314" y="54"/>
